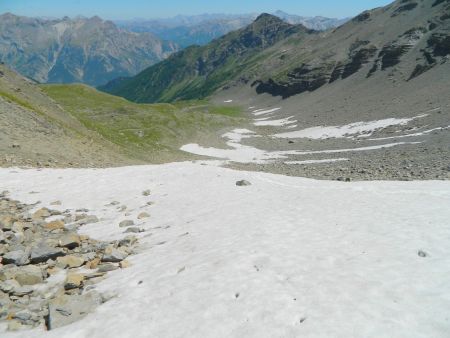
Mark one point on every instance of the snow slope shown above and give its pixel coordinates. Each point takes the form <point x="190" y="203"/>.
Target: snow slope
<point x="284" y="257"/>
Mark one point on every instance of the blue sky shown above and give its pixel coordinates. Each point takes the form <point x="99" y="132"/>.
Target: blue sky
<point x="125" y="9"/>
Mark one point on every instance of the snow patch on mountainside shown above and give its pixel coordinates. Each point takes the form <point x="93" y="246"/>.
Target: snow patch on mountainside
<point x="357" y="128"/>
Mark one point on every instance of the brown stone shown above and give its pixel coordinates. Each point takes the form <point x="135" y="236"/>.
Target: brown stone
<point x="73" y="281"/>
<point x="42" y="213"/>
<point x="93" y="264"/>
<point x="55" y="225"/>
<point x="124" y="264"/>
<point x="69" y="261"/>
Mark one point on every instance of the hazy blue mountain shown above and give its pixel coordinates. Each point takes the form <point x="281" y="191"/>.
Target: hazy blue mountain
<point x="202" y="29"/>
<point x="87" y="50"/>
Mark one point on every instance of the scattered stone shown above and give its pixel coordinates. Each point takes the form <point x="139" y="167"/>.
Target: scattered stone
<point x="133" y="230"/>
<point x="55" y="225"/>
<point x="106" y="267"/>
<point x="126" y="223"/>
<point x="146" y="192"/>
<point x="34" y="250"/>
<point x="124" y="264"/>
<point x="243" y="183"/>
<point x="422" y="254"/>
<point x="70" y="241"/>
<point x="69" y="262"/>
<point x="66" y="309"/>
<point x="23" y="291"/>
<point x="56" y="203"/>
<point x="87" y="219"/>
<point x="143" y="215"/>
<point x="93" y="264"/>
<point x="113" y="255"/>
<point x="73" y="281"/>
<point x="41" y="213"/>
<point x="41" y="253"/>
<point x="29" y="275"/>
<point x="18" y="257"/>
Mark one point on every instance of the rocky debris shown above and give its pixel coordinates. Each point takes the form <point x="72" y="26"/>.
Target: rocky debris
<point x="126" y="223"/>
<point x="146" y="192"/>
<point x="32" y="250"/>
<point x="243" y="183"/>
<point x="143" y="215"/>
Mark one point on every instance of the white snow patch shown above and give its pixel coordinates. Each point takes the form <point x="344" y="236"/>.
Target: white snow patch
<point x="228" y="101"/>
<point x="280" y="122"/>
<point x="284" y="257"/>
<point x="259" y="112"/>
<point x="366" y="128"/>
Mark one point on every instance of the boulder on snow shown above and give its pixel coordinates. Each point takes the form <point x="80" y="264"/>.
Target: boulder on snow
<point x="243" y="183"/>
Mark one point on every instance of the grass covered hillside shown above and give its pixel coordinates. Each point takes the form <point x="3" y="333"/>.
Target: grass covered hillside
<point x="148" y="132"/>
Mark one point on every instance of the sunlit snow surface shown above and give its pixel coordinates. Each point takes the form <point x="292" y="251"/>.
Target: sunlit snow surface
<point x="284" y="257"/>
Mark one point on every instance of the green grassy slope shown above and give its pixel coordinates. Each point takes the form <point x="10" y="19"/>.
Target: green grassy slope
<point x="149" y="132"/>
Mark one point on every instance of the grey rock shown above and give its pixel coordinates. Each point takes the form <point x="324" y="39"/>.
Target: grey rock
<point x="70" y="241"/>
<point x="243" y="183"/>
<point x="89" y="219"/>
<point x="128" y="240"/>
<point x="126" y="223"/>
<point x="114" y="255"/>
<point x="23" y="315"/>
<point x="22" y="290"/>
<point x="9" y="285"/>
<point x="133" y="230"/>
<point x="66" y="309"/>
<point x="42" y="252"/>
<point x="422" y="254"/>
<point x="29" y="275"/>
<point x="17" y="257"/>
<point x="107" y="267"/>
<point x="146" y="192"/>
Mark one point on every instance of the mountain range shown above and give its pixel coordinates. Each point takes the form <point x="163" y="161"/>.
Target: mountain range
<point x="400" y="41"/>
<point x="88" y="50"/>
<point x="202" y="29"/>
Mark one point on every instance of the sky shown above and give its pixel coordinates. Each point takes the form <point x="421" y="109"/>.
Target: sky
<point x="120" y="9"/>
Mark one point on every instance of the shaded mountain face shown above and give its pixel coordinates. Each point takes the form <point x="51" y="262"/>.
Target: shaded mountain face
<point x="402" y="40"/>
<point x="202" y="29"/>
<point x="90" y="51"/>
<point x="197" y="72"/>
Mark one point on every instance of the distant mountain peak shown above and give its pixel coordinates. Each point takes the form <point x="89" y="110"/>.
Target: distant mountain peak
<point x="266" y="17"/>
